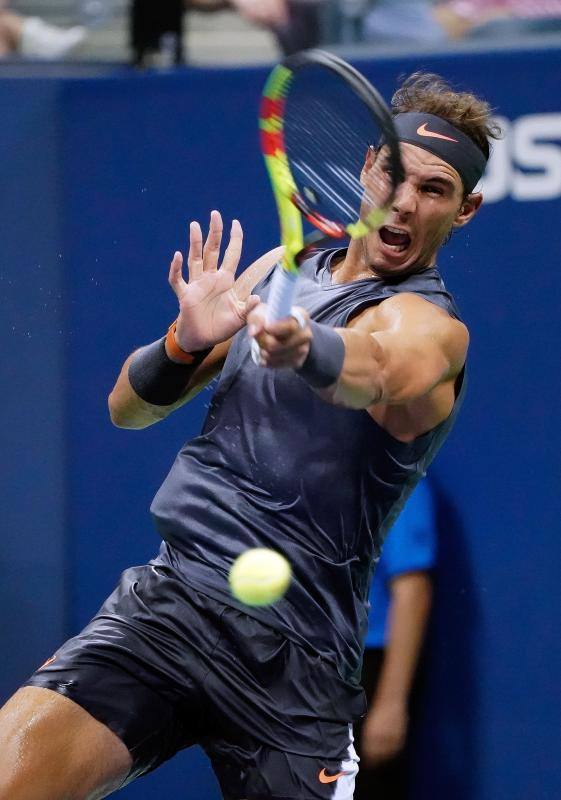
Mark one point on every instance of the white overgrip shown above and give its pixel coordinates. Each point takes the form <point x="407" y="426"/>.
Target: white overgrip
<point x="283" y="287"/>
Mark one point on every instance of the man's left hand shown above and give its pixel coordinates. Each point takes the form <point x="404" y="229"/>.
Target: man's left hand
<point x="284" y="343"/>
<point x="384" y="732"/>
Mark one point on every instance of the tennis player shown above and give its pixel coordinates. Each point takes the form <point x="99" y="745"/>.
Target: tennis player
<point x="313" y="453"/>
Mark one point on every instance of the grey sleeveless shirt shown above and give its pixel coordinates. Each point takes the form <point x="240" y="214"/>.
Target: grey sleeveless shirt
<point x="276" y="466"/>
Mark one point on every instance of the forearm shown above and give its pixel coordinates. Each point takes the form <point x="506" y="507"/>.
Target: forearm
<point x="360" y="383"/>
<point x="345" y="367"/>
<point x="387" y="367"/>
<point x="393" y="356"/>
<point x="409" y="613"/>
<point x="128" y="410"/>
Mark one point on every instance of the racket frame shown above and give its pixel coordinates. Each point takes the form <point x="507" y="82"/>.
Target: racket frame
<point x="290" y="204"/>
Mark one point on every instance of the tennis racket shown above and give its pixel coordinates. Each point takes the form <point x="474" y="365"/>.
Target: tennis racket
<point x="319" y="116"/>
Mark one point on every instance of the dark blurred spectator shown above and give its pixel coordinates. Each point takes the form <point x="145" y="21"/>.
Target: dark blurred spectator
<point x="157" y="30"/>
<point x="32" y="37"/>
<point x="303" y="28"/>
<point x="400" y="599"/>
<point x="295" y="23"/>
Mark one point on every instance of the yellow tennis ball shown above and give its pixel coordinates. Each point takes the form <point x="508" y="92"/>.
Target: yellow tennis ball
<point x="259" y="577"/>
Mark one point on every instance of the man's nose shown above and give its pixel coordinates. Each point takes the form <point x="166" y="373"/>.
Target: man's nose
<point x="405" y="199"/>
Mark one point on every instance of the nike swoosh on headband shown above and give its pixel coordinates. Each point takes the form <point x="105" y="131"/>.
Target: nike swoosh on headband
<point x="422" y="131"/>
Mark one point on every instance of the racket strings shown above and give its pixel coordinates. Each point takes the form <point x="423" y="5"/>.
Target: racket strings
<point x="328" y="131"/>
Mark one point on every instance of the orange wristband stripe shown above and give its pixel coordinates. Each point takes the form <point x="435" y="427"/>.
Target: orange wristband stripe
<point x="174" y="351"/>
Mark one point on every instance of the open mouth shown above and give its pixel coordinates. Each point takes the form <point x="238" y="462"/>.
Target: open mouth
<point x="395" y="238"/>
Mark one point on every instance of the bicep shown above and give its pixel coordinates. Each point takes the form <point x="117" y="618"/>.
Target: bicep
<point x="412" y="365"/>
<point x="420" y="346"/>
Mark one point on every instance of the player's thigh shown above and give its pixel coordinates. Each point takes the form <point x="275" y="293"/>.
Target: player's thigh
<point x="51" y="748"/>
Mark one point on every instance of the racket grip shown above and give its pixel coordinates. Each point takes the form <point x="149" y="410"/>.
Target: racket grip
<point x="279" y="302"/>
<point x="281" y="295"/>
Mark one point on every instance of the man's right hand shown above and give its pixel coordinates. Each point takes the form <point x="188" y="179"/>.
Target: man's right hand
<point x="209" y="309"/>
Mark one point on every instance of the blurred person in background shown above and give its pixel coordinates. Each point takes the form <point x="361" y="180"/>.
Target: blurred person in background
<point x="32" y="37"/>
<point x="400" y="603"/>
<point x="460" y="18"/>
<point x="400" y="21"/>
<point x="435" y="22"/>
<point x="156" y="31"/>
<point x="296" y="24"/>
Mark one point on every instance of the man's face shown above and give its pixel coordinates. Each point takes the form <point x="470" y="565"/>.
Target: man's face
<point x="428" y="203"/>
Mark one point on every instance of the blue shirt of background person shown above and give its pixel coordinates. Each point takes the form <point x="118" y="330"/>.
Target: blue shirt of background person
<point x="411" y="546"/>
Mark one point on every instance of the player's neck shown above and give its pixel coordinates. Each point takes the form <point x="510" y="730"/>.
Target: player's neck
<point x="356" y="266"/>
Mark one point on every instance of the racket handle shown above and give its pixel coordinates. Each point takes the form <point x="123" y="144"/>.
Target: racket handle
<point x="283" y="286"/>
<point x="279" y="302"/>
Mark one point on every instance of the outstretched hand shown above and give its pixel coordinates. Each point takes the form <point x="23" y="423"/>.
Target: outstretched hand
<point x="209" y="309"/>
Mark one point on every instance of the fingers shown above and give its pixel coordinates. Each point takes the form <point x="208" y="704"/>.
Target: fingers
<point x="176" y="279"/>
<point x="257" y="319"/>
<point x="282" y="329"/>
<point x="195" y="257"/>
<point x="205" y="257"/>
<point x="234" y="250"/>
<point x="211" y="250"/>
<point x="282" y="344"/>
<point x="252" y="302"/>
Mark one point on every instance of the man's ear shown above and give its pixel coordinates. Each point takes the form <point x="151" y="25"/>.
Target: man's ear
<point x="469" y="208"/>
<point x="371" y="155"/>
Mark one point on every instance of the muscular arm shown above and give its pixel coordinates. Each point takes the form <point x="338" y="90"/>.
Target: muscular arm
<point x="400" y="360"/>
<point x="128" y="410"/>
<point x="397" y="352"/>
<point x="385" y="727"/>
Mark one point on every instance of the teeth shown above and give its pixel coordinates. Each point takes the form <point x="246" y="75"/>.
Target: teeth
<point x="395" y="230"/>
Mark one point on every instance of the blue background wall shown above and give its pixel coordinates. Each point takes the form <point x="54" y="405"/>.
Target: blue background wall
<point x="100" y="178"/>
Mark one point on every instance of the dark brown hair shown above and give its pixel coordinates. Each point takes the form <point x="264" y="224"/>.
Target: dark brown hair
<point x="428" y="92"/>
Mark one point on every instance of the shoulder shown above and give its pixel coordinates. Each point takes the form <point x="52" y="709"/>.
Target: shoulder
<point x="407" y="306"/>
<point x="256" y="271"/>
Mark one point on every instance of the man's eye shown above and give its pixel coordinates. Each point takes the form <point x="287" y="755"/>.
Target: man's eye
<point x="430" y="189"/>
